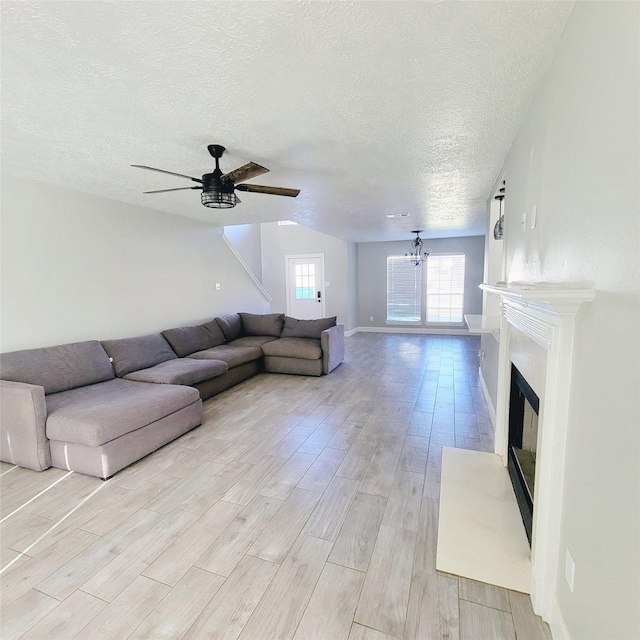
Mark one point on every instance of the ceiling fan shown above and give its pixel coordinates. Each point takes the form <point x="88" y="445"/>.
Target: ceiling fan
<point x="218" y="189"/>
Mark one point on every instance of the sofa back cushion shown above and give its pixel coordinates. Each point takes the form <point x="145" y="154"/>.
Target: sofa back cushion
<point x="231" y="326"/>
<point x="133" y="354"/>
<point x="59" y="368"/>
<point x="187" y="340"/>
<point x="267" y="324"/>
<point x="294" y="328"/>
<point x="217" y="335"/>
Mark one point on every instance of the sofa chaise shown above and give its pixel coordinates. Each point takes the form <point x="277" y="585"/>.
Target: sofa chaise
<point x="97" y="407"/>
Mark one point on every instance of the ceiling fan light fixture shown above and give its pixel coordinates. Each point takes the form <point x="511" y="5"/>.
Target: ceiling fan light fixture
<point x="217" y="193"/>
<point x="218" y="199"/>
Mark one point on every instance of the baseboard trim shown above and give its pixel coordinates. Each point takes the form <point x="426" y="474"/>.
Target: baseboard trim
<point x="487" y="398"/>
<point x="552" y="616"/>
<point x="445" y="331"/>
<point x="351" y="332"/>
<point x="558" y="626"/>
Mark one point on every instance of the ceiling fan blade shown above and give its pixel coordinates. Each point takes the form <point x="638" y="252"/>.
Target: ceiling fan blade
<point x="171" y="173"/>
<point x="245" y="172"/>
<point x="165" y="190"/>
<point x="276" y="191"/>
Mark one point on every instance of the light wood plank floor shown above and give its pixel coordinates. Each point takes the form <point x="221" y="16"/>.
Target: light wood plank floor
<point x="301" y="508"/>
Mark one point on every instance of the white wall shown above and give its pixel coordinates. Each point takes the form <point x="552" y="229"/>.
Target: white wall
<point x="280" y="241"/>
<point x="576" y="157"/>
<point x="247" y="241"/>
<point x="493" y="265"/>
<point x="372" y="274"/>
<point x="77" y="267"/>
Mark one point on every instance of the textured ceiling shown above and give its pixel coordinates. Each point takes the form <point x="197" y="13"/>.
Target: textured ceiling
<point x="369" y="108"/>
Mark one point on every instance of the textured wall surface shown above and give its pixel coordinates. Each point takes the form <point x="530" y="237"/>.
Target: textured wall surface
<point x="577" y="158"/>
<point x="368" y="107"/>
<point x="77" y="267"/>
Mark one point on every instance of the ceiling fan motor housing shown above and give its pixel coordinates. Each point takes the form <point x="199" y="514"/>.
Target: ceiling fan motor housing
<point x="216" y="150"/>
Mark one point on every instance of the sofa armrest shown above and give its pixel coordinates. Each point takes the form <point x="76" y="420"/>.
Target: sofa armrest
<point x="23" y="414"/>
<point x="332" y="343"/>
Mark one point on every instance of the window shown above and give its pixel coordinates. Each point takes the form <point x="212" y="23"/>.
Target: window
<point x="404" y="290"/>
<point x="445" y="288"/>
<point x="305" y="281"/>
<point x="441" y="288"/>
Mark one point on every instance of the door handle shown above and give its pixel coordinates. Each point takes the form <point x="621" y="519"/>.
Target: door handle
<point x="319" y="296"/>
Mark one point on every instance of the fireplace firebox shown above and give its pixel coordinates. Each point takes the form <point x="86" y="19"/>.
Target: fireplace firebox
<point x="524" y="407"/>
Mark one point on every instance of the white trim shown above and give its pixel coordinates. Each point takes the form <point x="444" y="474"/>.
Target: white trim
<point x="487" y="398"/>
<point x="246" y="267"/>
<point x="304" y="255"/>
<point x="482" y="324"/>
<point x="287" y="278"/>
<point x="559" y="629"/>
<point x="445" y="331"/>
<point x="546" y="315"/>
<point x="557" y="298"/>
<point x="351" y="332"/>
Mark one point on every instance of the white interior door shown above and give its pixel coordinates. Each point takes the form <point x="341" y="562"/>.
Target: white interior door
<point x="305" y="286"/>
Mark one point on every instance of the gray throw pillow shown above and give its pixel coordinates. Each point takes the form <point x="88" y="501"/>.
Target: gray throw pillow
<point x="231" y="326"/>
<point x="266" y="324"/>
<point x="216" y="333"/>
<point x="294" y="328"/>
<point x="187" y="340"/>
<point x="133" y="354"/>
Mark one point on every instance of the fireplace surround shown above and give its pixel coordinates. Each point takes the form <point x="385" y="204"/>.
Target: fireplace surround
<point x="524" y="407"/>
<point x="537" y="324"/>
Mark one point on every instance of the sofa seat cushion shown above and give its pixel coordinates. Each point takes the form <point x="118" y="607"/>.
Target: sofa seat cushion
<point x="233" y="356"/>
<point x="303" y="348"/>
<point x="182" y="371"/>
<point x="102" y="412"/>
<point x="251" y="341"/>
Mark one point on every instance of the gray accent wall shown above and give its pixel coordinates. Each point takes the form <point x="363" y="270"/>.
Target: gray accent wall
<point x="352" y="285"/>
<point x="372" y="274"/>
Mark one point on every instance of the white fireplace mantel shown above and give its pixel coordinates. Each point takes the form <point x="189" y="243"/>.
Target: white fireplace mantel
<point x="560" y="298"/>
<point x="546" y="314"/>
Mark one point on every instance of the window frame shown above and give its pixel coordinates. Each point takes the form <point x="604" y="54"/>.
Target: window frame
<point x="450" y="323"/>
<point x="415" y="323"/>
<point x="423" y="322"/>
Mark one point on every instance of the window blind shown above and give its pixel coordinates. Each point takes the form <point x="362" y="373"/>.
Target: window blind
<point x="404" y="290"/>
<point x="445" y="288"/>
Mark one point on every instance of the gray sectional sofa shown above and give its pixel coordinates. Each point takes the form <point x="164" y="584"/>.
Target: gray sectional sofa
<point x="97" y="407"/>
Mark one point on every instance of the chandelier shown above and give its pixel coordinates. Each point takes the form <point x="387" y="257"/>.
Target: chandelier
<point x="417" y="255"/>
